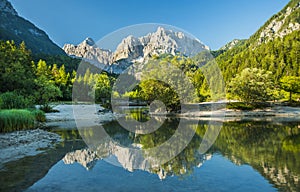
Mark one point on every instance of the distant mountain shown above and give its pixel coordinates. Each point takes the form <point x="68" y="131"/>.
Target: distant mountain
<point x="89" y="51"/>
<point x="14" y="27"/>
<point x="232" y="44"/>
<point x="132" y="49"/>
<point x="274" y="47"/>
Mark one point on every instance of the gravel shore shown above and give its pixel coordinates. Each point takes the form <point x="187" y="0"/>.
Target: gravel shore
<point x="19" y="144"/>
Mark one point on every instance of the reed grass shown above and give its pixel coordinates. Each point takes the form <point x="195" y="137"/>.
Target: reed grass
<point x="19" y="119"/>
<point x="39" y="115"/>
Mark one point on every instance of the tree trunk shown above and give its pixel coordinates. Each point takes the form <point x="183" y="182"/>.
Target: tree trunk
<point x="290" y="97"/>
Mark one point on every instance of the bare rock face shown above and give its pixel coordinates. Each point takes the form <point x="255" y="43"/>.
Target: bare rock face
<point x="168" y="41"/>
<point x="280" y="26"/>
<point x="88" y="50"/>
<point x="130" y="48"/>
<point x="133" y="49"/>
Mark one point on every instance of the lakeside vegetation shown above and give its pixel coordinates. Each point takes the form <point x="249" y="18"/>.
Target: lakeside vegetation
<point x="20" y="119"/>
<point x="254" y="71"/>
<point x="26" y="83"/>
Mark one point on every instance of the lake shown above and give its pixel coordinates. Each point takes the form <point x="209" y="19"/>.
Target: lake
<point x="246" y="156"/>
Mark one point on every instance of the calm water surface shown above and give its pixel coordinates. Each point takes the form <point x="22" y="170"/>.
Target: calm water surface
<point x="247" y="156"/>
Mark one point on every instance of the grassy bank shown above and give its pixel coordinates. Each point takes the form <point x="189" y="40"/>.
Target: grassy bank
<point x="19" y="119"/>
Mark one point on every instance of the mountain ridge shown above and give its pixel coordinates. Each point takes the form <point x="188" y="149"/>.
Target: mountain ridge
<point x="273" y="47"/>
<point x="132" y="49"/>
<point x="13" y="27"/>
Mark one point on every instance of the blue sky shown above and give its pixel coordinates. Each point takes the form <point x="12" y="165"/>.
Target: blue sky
<point x="214" y="22"/>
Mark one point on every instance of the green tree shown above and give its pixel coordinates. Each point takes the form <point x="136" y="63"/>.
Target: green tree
<point x="290" y="84"/>
<point x="46" y="91"/>
<point x="252" y="85"/>
<point x="16" y="71"/>
<point x="156" y="90"/>
<point x="46" y="88"/>
<point x="42" y="69"/>
<point x="102" y="87"/>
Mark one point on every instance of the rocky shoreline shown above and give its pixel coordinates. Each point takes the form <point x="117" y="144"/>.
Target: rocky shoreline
<point x="276" y="114"/>
<point x="19" y="144"/>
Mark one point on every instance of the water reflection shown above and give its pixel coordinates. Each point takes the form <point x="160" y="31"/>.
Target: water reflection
<point x="20" y="174"/>
<point x="130" y="150"/>
<point x="272" y="149"/>
<point x="267" y="148"/>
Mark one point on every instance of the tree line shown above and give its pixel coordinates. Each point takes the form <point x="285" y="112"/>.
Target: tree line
<point x="268" y="72"/>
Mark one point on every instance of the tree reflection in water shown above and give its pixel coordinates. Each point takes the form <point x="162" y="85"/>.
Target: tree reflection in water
<point x="271" y="149"/>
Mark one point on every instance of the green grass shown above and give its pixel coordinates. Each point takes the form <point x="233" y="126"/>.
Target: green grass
<point x="19" y="119"/>
<point x="39" y="115"/>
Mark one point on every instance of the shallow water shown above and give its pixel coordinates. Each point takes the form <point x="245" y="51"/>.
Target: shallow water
<point x="247" y="156"/>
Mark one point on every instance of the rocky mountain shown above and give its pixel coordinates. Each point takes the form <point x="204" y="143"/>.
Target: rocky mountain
<point x="132" y="49"/>
<point x="232" y="44"/>
<point x="274" y="47"/>
<point x="88" y="50"/>
<point x="14" y="27"/>
<point x="281" y="24"/>
<point x="278" y="26"/>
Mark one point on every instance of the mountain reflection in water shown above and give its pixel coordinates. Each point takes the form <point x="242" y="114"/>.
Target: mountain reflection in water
<point x="271" y="149"/>
<point x="126" y="149"/>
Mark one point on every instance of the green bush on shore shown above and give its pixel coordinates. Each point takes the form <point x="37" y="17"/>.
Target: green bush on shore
<point x="39" y="115"/>
<point x="13" y="100"/>
<point x="19" y="119"/>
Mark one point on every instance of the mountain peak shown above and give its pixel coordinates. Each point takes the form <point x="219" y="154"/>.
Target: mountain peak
<point x="5" y="6"/>
<point x="14" y="27"/>
<point x="160" y="30"/>
<point x="132" y="49"/>
<point x="89" y="41"/>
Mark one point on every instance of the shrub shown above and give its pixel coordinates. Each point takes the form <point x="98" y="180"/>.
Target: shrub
<point x="12" y="100"/>
<point x="39" y="115"/>
<point x="16" y="119"/>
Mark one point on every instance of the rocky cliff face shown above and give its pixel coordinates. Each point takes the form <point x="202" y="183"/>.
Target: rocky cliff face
<point x="167" y="41"/>
<point x="88" y="50"/>
<point x="14" y="27"/>
<point x="132" y="49"/>
<point x="281" y="24"/>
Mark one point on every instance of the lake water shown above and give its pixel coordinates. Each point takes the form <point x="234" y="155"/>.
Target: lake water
<point x="247" y="156"/>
